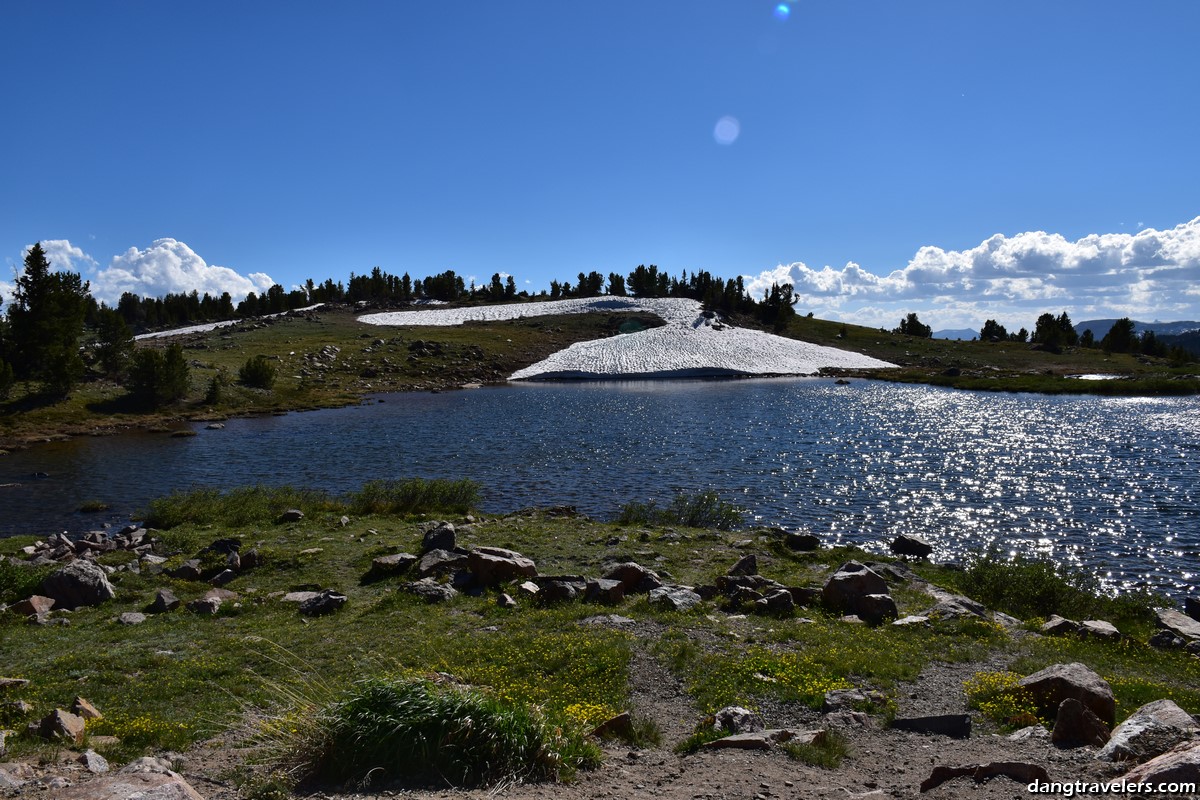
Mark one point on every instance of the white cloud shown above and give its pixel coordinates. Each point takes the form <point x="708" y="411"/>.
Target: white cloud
<point x="168" y="265"/>
<point x="1151" y="274"/>
<point x="64" y="256"/>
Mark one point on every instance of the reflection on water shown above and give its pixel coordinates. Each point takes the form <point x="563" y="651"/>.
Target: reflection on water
<point x="1102" y="482"/>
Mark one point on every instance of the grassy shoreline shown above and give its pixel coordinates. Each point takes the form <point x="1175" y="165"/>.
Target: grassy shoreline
<point x="259" y="671"/>
<point x="327" y="359"/>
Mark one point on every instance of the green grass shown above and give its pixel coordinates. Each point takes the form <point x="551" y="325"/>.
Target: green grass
<point x="693" y="510"/>
<point x="261" y="505"/>
<point x="1034" y="587"/>
<point x="386" y="728"/>
<point x="826" y="753"/>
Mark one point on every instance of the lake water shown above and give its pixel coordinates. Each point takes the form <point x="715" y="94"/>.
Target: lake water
<point x="1107" y="483"/>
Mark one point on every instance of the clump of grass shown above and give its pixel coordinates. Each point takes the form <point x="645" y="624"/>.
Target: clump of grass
<point x="705" y="733"/>
<point x="388" y="728"/>
<point x="415" y="495"/>
<point x="826" y="752"/>
<point x="264" y="504"/>
<point x="93" y="506"/>
<point x="693" y="510"/>
<point x="997" y="696"/>
<point x="18" y="581"/>
<point x="1037" y="587"/>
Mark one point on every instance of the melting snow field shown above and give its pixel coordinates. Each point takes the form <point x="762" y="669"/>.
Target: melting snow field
<point x="689" y="345"/>
<point x="212" y="326"/>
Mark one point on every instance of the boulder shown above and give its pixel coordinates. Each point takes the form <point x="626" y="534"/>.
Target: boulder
<point x="956" y="726"/>
<point x="302" y="596"/>
<point x="620" y="726"/>
<point x="780" y="601"/>
<point x="1191" y="607"/>
<point x="33" y="606"/>
<point x="1019" y="771"/>
<point x="387" y="566"/>
<point x="131" y="618"/>
<point x="1075" y="725"/>
<point x="746" y="565"/>
<point x="187" y="571"/>
<point x="674" y="598"/>
<point x="164" y="601"/>
<point x="849" y="584"/>
<point x="1177" y="623"/>
<point x="85" y="709"/>
<point x="93" y="762"/>
<point x="1181" y="764"/>
<point x="61" y="724"/>
<point x="1058" y="682"/>
<point x="837" y="700"/>
<point x="634" y="578"/>
<point x="1149" y="732"/>
<point x="802" y="542"/>
<point x="1166" y="640"/>
<point x="80" y="583"/>
<point x="560" y="588"/>
<point x="430" y="590"/>
<point x="1099" y="629"/>
<point x="124" y="785"/>
<point x="506" y="601"/>
<point x="492" y="565"/>
<point x="604" y="590"/>
<point x="735" y="719"/>
<point x="1060" y="626"/>
<point x="910" y="620"/>
<point x="876" y="608"/>
<point x="765" y="739"/>
<point x="439" y="537"/>
<point x="326" y="601"/>
<point x="440" y="562"/>
<point x="291" y="515"/>
<point x="913" y="546"/>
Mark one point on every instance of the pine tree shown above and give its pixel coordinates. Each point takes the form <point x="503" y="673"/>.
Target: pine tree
<point x="46" y="320"/>
<point x="114" y="342"/>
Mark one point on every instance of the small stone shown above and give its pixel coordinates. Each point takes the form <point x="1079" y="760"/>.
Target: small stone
<point x="85" y="709"/>
<point x="93" y="762"/>
<point x="164" y="601"/>
<point x="131" y="618"/>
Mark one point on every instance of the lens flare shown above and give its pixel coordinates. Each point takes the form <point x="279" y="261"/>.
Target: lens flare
<point x="782" y="11"/>
<point x="727" y="130"/>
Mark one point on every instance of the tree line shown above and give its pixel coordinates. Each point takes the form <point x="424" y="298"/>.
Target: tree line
<point x="51" y="310"/>
<point x="1053" y="333"/>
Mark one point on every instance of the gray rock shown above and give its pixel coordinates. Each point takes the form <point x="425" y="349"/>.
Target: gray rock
<point x="131" y="618"/>
<point x="299" y="597"/>
<point x="874" y="609"/>
<point x="164" y="600"/>
<point x="838" y="700"/>
<point x="1180" y="764"/>
<point x="780" y="601"/>
<point x="387" y="566"/>
<point x="223" y="577"/>
<point x="1032" y="733"/>
<point x="1056" y="683"/>
<point x="765" y="739"/>
<point x="291" y="515"/>
<point x="634" y="578"/>
<point x="187" y="571"/>
<point x="492" y="565"/>
<point x="136" y="786"/>
<point x="430" y="590"/>
<point x="735" y="719"/>
<point x="80" y="583"/>
<point x="604" y="590"/>
<point x="439" y="537"/>
<point x="1177" y="623"/>
<point x="1149" y="732"/>
<point x="506" y="601"/>
<point x="1166" y="640"/>
<point x="1099" y="629"/>
<point x="911" y="620"/>
<point x="1060" y="626"/>
<point x="674" y="598"/>
<point x="326" y="601"/>
<point x="956" y="726"/>
<point x="1076" y="725"/>
<point x="802" y="542"/>
<point x="60" y="724"/>
<point x="1019" y="771"/>
<point x="746" y="565"/>
<point x="560" y="588"/>
<point x="913" y="546"/>
<point x="440" y="562"/>
<point x="33" y="606"/>
<point x="93" y="762"/>
<point x="851" y="582"/>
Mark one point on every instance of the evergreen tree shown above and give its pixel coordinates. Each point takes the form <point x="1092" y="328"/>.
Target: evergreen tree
<point x="1087" y="338"/>
<point x="114" y="342"/>
<point x="46" y="320"/>
<point x="1120" y="337"/>
<point x="159" y="377"/>
<point x="992" y="330"/>
<point x="912" y="326"/>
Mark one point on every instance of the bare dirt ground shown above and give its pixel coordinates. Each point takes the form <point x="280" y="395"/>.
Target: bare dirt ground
<point x="882" y="763"/>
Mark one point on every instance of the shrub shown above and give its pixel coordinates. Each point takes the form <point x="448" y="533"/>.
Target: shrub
<point x="415" y="495"/>
<point x="698" y="510"/>
<point x="6" y="379"/>
<point x="258" y="372"/>
<point x="1037" y="587"/>
<point x="159" y="377"/>
<point x="998" y="697"/>
<point x="827" y="752"/>
<point x="388" y="728"/>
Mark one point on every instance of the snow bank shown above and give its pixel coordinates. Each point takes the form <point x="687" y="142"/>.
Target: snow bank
<point x="212" y="326"/>
<point x="689" y="345"/>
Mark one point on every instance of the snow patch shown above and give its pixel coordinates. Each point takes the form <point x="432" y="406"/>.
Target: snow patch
<point x="689" y="345"/>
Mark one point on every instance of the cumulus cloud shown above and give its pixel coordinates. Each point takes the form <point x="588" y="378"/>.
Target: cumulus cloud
<point x="63" y="257"/>
<point x="1149" y="275"/>
<point x="168" y="265"/>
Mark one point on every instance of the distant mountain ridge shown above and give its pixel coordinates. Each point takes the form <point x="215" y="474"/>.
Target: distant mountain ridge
<point x="957" y="333"/>
<point x="1099" y="327"/>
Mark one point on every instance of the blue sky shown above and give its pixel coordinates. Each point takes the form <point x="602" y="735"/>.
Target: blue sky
<point x="880" y="147"/>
